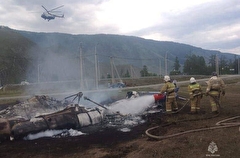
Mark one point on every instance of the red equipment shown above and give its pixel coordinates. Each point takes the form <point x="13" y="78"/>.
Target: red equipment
<point x="159" y="97"/>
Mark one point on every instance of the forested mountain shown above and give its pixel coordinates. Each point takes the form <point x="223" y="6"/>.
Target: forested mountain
<point x="16" y="54"/>
<point x="56" y="56"/>
<point x="116" y="46"/>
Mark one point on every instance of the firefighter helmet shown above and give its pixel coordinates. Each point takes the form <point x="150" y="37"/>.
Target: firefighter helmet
<point x="167" y="78"/>
<point x="192" y="80"/>
<point x="214" y="74"/>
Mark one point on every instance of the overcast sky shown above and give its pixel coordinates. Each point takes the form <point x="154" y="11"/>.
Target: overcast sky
<point x="209" y="24"/>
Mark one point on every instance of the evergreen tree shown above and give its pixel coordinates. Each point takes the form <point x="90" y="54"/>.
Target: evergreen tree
<point x="235" y="64"/>
<point x="223" y="66"/>
<point x="108" y="75"/>
<point x="127" y="74"/>
<point x="176" y="64"/>
<point x="212" y="63"/>
<point x="144" y="71"/>
<point x="194" y="65"/>
<point x="176" y="67"/>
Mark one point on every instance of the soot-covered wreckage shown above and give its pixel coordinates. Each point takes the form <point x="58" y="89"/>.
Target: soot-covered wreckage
<point x="41" y="113"/>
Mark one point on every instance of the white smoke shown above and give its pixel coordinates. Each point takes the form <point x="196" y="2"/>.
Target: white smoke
<point x="133" y="106"/>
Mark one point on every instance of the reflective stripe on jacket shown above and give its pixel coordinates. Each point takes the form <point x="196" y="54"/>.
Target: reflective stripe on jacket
<point x="194" y="88"/>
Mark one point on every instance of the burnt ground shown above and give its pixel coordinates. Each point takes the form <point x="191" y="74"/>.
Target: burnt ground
<point x="111" y="143"/>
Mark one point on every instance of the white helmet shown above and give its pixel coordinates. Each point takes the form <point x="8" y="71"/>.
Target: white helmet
<point x="192" y="80"/>
<point x="166" y="78"/>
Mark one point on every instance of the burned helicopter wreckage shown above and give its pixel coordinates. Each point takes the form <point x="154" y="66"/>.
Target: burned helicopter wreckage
<point x="41" y="113"/>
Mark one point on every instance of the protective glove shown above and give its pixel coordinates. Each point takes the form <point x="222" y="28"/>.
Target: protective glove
<point x="223" y="93"/>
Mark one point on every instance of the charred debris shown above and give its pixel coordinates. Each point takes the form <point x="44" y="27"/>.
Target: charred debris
<point x="41" y="113"/>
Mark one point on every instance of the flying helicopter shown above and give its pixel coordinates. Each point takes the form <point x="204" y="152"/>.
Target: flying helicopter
<point x="51" y="14"/>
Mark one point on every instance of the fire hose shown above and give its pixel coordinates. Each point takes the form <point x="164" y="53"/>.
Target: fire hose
<point x="218" y="103"/>
<point x="219" y="125"/>
<point x="182" y="107"/>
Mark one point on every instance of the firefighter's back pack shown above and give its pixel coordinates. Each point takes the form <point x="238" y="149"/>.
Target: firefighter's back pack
<point x="215" y="83"/>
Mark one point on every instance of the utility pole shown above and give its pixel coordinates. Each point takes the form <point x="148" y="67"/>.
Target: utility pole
<point x="166" y="65"/>
<point x="160" y="67"/>
<point x="38" y="72"/>
<point x="81" y="68"/>
<point x="132" y="74"/>
<point x="131" y="71"/>
<point x="238" y="66"/>
<point x="111" y="62"/>
<point x="217" y="65"/>
<point x="96" y="67"/>
<point x="99" y="72"/>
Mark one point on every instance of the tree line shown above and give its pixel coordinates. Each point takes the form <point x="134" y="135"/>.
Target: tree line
<point x="196" y="65"/>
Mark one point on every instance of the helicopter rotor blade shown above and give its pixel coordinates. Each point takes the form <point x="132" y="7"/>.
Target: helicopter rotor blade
<point x="55" y="11"/>
<point x="45" y="8"/>
<point x="56" y="8"/>
<point x="60" y="15"/>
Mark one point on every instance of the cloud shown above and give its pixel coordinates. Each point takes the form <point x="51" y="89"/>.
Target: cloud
<point x="210" y="24"/>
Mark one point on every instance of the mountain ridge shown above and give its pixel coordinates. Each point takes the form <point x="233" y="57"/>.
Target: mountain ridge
<point x="61" y="50"/>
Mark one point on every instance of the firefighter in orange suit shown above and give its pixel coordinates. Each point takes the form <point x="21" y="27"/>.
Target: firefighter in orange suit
<point x="195" y="93"/>
<point x="215" y="87"/>
<point x="169" y="90"/>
